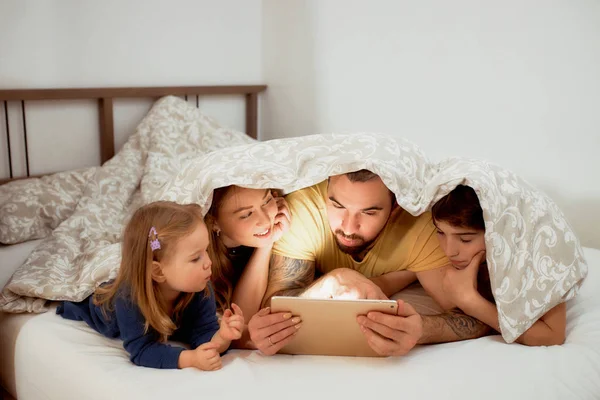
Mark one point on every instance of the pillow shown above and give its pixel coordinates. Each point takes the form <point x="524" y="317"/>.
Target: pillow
<point x="32" y="208"/>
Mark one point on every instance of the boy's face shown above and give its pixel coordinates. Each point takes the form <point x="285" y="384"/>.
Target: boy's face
<point x="460" y="244"/>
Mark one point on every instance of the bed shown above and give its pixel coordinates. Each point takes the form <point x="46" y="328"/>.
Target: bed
<point x="46" y="357"/>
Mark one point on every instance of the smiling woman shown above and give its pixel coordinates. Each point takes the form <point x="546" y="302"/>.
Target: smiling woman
<point x="243" y="225"/>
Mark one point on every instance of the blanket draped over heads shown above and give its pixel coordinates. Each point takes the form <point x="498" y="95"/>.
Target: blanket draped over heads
<point x="535" y="260"/>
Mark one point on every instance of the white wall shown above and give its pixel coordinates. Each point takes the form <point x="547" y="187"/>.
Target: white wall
<point x="515" y="82"/>
<point x="87" y="43"/>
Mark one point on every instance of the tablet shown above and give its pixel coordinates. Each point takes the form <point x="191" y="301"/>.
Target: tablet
<point x="329" y="326"/>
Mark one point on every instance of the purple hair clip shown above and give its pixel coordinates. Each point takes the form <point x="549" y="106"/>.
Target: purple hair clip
<point x="154" y="243"/>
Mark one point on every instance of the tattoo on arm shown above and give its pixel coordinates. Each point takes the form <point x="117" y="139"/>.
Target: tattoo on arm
<point x="464" y="326"/>
<point x="452" y="326"/>
<point x="288" y="277"/>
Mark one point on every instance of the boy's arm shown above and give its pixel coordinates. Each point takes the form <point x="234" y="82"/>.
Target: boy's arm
<point x="549" y="330"/>
<point x="453" y="325"/>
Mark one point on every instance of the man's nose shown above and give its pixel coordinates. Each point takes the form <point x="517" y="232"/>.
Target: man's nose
<point x="350" y="224"/>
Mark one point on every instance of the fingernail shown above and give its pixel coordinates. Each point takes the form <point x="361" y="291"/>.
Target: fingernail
<point x="295" y="320"/>
<point x="298" y="325"/>
<point x="287" y="316"/>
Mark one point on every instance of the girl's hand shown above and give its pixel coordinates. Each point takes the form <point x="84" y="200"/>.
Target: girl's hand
<point x="282" y="220"/>
<point x="232" y="324"/>
<point x="461" y="284"/>
<point x="207" y="357"/>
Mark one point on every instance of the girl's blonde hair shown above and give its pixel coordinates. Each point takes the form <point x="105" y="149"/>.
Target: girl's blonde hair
<point x="171" y="221"/>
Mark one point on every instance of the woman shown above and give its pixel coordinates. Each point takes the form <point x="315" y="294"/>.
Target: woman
<point x="243" y="224"/>
<point x="458" y="218"/>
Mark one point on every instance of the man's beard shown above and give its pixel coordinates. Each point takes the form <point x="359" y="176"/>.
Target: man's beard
<point x="351" y="250"/>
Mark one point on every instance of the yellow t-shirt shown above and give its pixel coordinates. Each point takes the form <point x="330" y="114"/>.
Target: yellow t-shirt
<point x="405" y="243"/>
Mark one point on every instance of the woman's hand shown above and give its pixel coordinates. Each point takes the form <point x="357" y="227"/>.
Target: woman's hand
<point x="270" y="332"/>
<point x="232" y="324"/>
<point x="461" y="284"/>
<point x="283" y="218"/>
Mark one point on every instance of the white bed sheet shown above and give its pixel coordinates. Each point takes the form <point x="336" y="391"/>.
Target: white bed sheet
<point x="60" y="359"/>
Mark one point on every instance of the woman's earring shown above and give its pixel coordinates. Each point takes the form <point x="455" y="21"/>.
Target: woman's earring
<point x="218" y="232"/>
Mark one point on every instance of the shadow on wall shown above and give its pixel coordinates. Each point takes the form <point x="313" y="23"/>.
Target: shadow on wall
<point x="289" y="104"/>
<point x="582" y="214"/>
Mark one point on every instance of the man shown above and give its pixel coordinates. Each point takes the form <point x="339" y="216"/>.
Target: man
<point x="350" y="229"/>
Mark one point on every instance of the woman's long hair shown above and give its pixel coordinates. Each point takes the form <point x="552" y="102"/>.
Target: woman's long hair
<point x="172" y="222"/>
<point x="224" y="276"/>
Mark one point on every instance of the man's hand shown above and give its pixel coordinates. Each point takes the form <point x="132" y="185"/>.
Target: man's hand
<point x="344" y="283"/>
<point x="392" y="335"/>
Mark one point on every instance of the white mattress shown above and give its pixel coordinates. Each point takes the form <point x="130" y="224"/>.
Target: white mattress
<point x="60" y="359"/>
<point x="11" y="257"/>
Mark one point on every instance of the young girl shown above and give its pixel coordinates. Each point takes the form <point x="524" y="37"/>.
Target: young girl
<point x="458" y="218"/>
<point x="162" y="292"/>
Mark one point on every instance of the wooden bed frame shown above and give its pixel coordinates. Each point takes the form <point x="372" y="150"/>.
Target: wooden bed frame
<point x="105" y="97"/>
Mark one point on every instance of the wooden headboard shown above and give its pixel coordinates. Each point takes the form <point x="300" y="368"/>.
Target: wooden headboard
<point x="105" y="97"/>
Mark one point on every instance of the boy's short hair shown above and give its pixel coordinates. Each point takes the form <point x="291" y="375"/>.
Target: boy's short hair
<point x="460" y="208"/>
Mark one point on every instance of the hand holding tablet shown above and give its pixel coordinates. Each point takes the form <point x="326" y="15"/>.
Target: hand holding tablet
<point x="329" y="326"/>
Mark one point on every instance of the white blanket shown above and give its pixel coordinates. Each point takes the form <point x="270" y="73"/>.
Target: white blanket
<point x="536" y="261"/>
